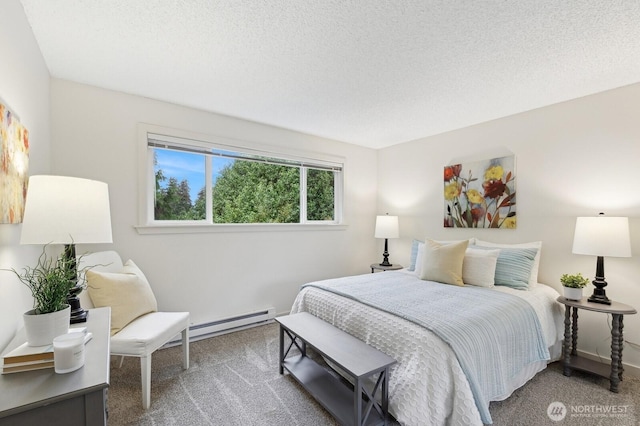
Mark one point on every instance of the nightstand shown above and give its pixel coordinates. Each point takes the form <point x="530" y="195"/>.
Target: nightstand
<point x="571" y="360"/>
<point x="78" y="398"/>
<point x="380" y="267"/>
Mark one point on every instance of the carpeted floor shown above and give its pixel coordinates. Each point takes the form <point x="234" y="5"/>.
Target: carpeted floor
<point x="233" y="381"/>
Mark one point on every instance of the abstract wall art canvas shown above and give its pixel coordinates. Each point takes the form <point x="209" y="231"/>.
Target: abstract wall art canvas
<point x="14" y="165"/>
<point x="481" y="194"/>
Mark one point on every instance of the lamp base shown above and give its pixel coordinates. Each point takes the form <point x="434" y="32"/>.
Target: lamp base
<point x="385" y="255"/>
<point x="79" y="317"/>
<point x="77" y="313"/>
<point x="599" y="296"/>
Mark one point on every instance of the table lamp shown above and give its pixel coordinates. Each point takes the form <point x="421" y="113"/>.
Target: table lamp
<point x="601" y="236"/>
<point x="386" y="227"/>
<point x="67" y="210"/>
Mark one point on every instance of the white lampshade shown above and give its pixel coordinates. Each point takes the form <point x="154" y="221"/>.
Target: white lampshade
<point x="387" y="227"/>
<point x="66" y="210"/>
<point x="602" y="236"/>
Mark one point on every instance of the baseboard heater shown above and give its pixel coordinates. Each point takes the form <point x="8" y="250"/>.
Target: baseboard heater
<point x="226" y="325"/>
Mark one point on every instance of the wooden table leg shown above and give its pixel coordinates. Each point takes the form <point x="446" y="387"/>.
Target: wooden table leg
<point x="385" y="395"/>
<point x="357" y="402"/>
<point x="566" y="345"/>
<point x="574" y="332"/>
<point x="620" y="368"/>
<point x="615" y="352"/>
<point x="281" y="357"/>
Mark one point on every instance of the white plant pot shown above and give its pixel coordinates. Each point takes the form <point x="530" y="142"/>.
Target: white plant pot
<point x="42" y="328"/>
<point x="572" y="293"/>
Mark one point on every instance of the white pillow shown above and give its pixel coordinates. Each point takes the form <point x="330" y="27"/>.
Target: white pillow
<point x="533" y="278"/>
<point x="479" y="267"/>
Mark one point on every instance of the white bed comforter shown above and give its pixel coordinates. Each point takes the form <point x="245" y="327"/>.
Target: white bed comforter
<point x="427" y="386"/>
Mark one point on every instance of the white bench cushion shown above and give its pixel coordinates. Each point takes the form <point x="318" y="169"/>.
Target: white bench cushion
<point x="147" y="333"/>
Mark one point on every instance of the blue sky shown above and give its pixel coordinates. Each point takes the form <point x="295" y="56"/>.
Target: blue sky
<point x="185" y="165"/>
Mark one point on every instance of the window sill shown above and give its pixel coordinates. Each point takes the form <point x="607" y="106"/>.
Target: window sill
<point x="202" y="228"/>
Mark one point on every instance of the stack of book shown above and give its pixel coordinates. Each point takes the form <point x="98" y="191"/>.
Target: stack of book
<point x="28" y="358"/>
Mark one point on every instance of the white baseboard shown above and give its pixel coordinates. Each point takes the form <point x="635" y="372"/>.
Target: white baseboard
<point x="225" y="325"/>
<point x="631" y="370"/>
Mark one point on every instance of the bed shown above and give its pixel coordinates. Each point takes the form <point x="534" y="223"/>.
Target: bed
<point x="434" y="382"/>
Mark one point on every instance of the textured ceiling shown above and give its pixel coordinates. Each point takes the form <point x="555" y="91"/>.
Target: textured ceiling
<point x="368" y="72"/>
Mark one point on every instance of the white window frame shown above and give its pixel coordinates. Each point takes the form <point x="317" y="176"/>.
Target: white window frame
<point x="146" y="183"/>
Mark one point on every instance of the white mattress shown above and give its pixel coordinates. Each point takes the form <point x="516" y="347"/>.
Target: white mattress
<point x="427" y="386"/>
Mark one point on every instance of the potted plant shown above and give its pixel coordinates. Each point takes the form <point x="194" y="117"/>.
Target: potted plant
<point x="573" y="285"/>
<point x="49" y="281"/>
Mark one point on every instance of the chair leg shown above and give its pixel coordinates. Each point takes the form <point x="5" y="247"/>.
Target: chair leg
<point x="145" y="370"/>
<point x="185" y="348"/>
<point x="121" y="361"/>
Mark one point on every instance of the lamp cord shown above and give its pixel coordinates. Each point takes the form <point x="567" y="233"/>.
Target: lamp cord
<point x="632" y="345"/>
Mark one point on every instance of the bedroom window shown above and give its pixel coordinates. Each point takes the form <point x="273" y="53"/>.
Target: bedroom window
<point x="203" y="180"/>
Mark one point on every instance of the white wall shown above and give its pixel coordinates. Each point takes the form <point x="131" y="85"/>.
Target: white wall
<point x="214" y="275"/>
<point x="24" y="88"/>
<point x="573" y="159"/>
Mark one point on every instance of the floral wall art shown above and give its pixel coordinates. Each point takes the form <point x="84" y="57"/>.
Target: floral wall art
<point x="14" y="165"/>
<point x="480" y="194"/>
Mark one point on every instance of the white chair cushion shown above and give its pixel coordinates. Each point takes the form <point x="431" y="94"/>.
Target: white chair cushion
<point x="147" y="333"/>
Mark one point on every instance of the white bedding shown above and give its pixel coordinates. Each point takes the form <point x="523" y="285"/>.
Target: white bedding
<point x="427" y="386"/>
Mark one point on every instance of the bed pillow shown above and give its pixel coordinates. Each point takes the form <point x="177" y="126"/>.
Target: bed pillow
<point x="416" y="245"/>
<point x="479" y="267"/>
<point x="414" y="254"/>
<point x="443" y="262"/>
<point x="419" y="258"/>
<point x="533" y="278"/>
<point x="127" y="293"/>
<point x="513" y="268"/>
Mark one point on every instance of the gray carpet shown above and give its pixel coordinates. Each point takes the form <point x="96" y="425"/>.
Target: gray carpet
<point x="234" y="380"/>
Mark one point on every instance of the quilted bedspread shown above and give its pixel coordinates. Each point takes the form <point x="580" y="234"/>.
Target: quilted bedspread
<point x="431" y="384"/>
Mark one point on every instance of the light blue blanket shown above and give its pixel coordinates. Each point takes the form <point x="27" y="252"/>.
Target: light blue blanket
<point x="493" y="334"/>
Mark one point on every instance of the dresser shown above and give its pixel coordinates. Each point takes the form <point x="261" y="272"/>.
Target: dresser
<point x="77" y="398"/>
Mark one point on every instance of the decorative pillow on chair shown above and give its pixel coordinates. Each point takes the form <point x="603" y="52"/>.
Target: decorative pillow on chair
<point x="127" y="293"/>
<point x="443" y="263"/>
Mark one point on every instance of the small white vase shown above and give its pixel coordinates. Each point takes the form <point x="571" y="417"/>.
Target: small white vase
<point x="572" y="293"/>
<point x="42" y="328"/>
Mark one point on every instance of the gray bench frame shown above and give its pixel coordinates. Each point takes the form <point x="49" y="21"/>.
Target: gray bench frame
<point x="354" y="357"/>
